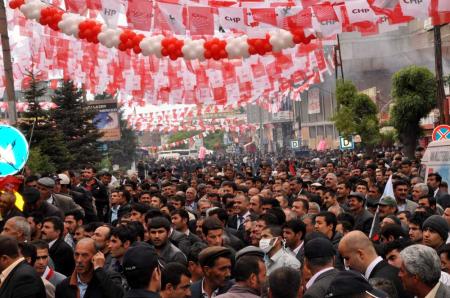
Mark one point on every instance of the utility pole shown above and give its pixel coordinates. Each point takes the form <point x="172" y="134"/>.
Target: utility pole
<point x="442" y="102"/>
<point x="260" y="131"/>
<point x="338" y="60"/>
<point x="7" y="65"/>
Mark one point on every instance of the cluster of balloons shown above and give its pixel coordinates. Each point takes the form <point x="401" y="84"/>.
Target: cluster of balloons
<point x="89" y="30"/>
<point x="130" y="40"/>
<point x="172" y="47"/>
<point x="299" y="36"/>
<point x="16" y="3"/>
<point x="51" y="16"/>
<point x="259" y="46"/>
<point x="215" y="49"/>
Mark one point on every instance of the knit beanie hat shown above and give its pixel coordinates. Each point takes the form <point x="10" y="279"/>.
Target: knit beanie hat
<point x="437" y="223"/>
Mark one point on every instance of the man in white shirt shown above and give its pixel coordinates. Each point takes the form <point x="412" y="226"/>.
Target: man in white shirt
<point x="294" y="232"/>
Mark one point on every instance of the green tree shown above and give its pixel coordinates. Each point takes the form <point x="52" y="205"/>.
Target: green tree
<point x="75" y="120"/>
<point x="414" y="94"/>
<point x="40" y="129"/>
<point x="214" y="141"/>
<point x="39" y="163"/>
<point x="357" y="115"/>
<point x="123" y="152"/>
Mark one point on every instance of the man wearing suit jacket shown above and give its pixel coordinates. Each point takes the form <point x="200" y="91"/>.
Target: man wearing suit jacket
<point x="65" y="203"/>
<point x="216" y="267"/>
<point x="359" y="254"/>
<point x="60" y="252"/>
<point x="319" y="258"/>
<point x="241" y="203"/>
<point x="420" y="272"/>
<point x="17" y="278"/>
<point x="180" y="220"/>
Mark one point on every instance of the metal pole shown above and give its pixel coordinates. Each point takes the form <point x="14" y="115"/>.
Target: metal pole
<point x="440" y="92"/>
<point x="7" y="66"/>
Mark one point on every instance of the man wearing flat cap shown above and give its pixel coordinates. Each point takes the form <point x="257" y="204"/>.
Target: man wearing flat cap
<point x="363" y="218"/>
<point x="216" y="267"/>
<point x="46" y="185"/>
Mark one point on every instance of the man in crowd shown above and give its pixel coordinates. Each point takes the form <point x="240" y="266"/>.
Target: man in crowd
<point x="294" y="232"/>
<point x="142" y="271"/>
<point x="101" y="238"/>
<point x="319" y="259"/>
<point x="363" y="218"/>
<point x="180" y="220"/>
<point x="64" y="203"/>
<point x="250" y="275"/>
<point x="175" y="281"/>
<point x="360" y="255"/>
<point x="60" y="252"/>
<point x="420" y="272"/>
<point x="42" y="264"/>
<point x="96" y="188"/>
<point x="18" y="228"/>
<point x="89" y="279"/>
<point x="158" y="230"/>
<point x="18" y="279"/>
<point x="435" y="231"/>
<point x="216" y="267"/>
<point x="72" y="221"/>
<point x="271" y="244"/>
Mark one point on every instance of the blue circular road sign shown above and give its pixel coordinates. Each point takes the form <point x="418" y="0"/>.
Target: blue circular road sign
<point x="13" y="150"/>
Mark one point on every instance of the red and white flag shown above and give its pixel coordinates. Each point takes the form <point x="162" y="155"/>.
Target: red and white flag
<point x="418" y="9"/>
<point x="169" y="17"/>
<point x="232" y="18"/>
<point x="139" y="14"/>
<point x="359" y="11"/>
<point x="200" y="20"/>
<point x="110" y="12"/>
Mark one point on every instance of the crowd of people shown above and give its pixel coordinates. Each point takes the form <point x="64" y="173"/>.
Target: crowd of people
<point x="230" y="227"/>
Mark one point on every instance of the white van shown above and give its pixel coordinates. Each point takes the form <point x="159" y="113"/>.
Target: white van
<point x="437" y="159"/>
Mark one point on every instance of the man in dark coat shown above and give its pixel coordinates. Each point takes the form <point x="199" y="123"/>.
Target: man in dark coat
<point x="216" y="267"/>
<point x="319" y="258"/>
<point x="17" y="278"/>
<point x="60" y="252"/>
<point x="360" y="255"/>
<point x="89" y="280"/>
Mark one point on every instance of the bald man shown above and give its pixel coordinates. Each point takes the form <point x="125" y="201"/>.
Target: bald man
<point x="359" y="254"/>
<point x="89" y="276"/>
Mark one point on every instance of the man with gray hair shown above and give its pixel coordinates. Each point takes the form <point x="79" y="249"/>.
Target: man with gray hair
<point x="18" y="228"/>
<point x="420" y="272"/>
<point x="419" y="190"/>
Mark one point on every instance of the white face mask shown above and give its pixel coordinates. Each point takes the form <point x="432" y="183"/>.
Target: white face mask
<point x="266" y="245"/>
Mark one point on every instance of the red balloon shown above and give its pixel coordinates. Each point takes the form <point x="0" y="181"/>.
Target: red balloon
<point x="122" y="47"/>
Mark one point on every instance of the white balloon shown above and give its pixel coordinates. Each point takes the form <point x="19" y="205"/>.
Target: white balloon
<point x="151" y="45"/>
<point x="69" y="23"/>
<point x="193" y="49"/>
<point x="237" y="47"/>
<point x="109" y="37"/>
<point x="281" y="39"/>
<point x="32" y="9"/>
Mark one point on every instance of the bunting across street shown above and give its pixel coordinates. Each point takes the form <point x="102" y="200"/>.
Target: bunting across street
<point x="203" y="53"/>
